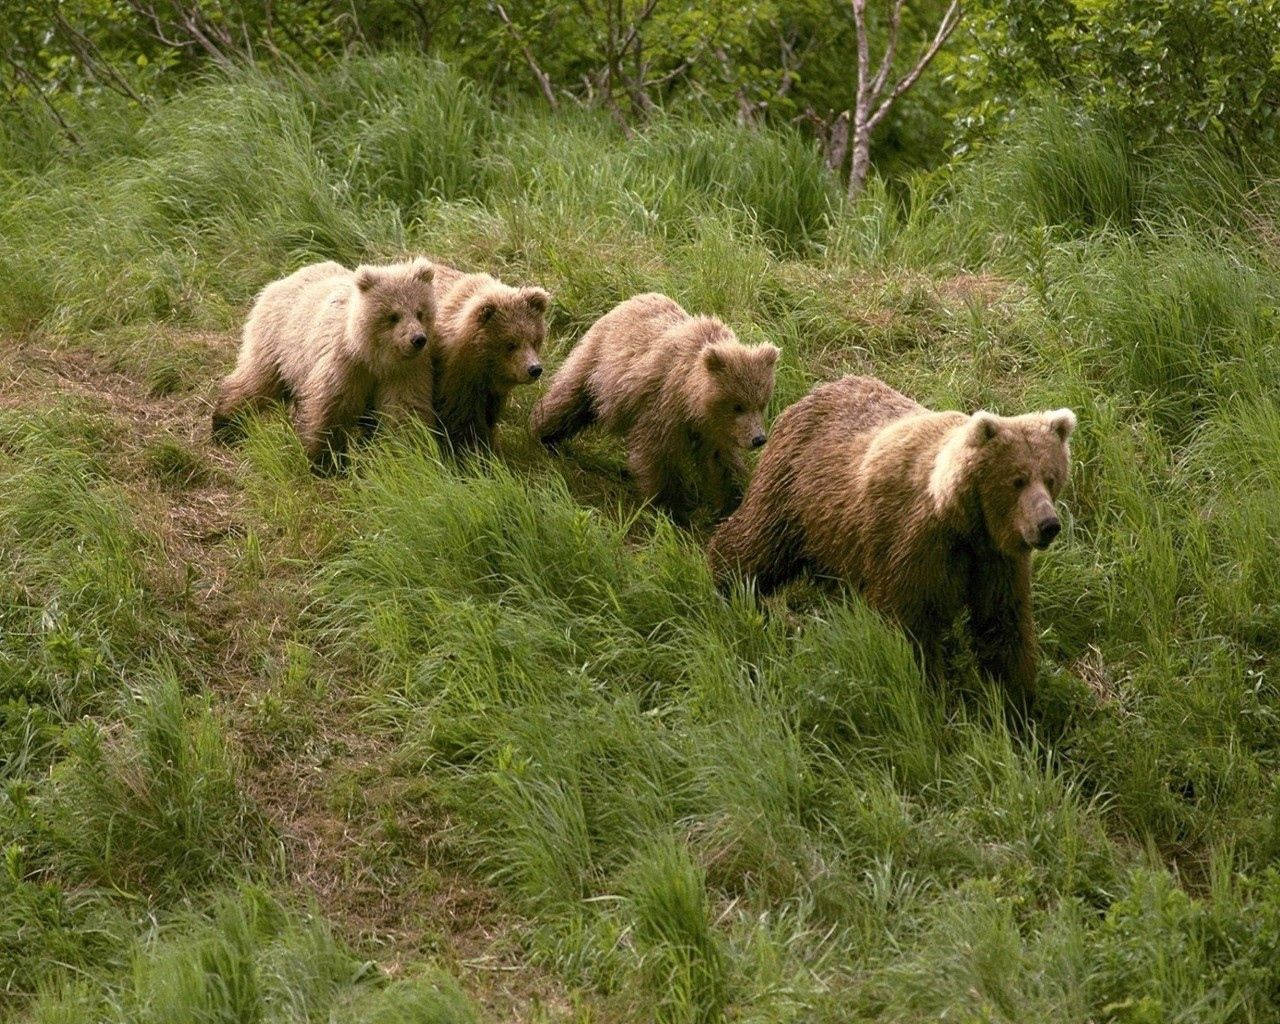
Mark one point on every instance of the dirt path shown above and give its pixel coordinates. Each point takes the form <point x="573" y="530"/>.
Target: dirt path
<point x="377" y="880"/>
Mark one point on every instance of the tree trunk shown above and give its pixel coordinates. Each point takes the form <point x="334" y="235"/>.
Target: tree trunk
<point x="860" y="165"/>
<point x="837" y="147"/>
<point x="871" y="102"/>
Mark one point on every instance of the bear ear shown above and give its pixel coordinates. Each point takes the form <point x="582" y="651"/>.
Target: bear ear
<point x="423" y="269"/>
<point x="486" y="312"/>
<point x="1063" y="422"/>
<point x="713" y="358"/>
<point x="983" y="426"/>
<point x="536" y="299"/>
<point x="767" y="354"/>
<point x="366" y="277"/>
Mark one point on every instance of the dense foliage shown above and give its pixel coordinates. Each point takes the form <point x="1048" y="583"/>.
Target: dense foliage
<point x="442" y="744"/>
<point x="1159" y="68"/>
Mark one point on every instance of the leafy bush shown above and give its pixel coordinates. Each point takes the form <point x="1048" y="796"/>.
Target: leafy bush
<point x="1161" y="67"/>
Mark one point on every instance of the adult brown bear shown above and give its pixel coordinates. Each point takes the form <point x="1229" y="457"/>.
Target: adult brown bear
<point x="926" y="514"/>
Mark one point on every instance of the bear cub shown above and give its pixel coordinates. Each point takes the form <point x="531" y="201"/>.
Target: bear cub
<point x="489" y="336"/>
<point x="340" y="344"/>
<point x="927" y="514"/>
<point x="686" y="395"/>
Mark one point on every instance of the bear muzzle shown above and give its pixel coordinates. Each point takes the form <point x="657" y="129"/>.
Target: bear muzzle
<point x="535" y="371"/>
<point x="758" y="441"/>
<point x="1046" y="530"/>
<point x="419" y="342"/>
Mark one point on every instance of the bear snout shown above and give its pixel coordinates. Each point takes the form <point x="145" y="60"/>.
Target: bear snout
<point x="419" y="342"/>
<point x="1047" y="530"/>
<point x="758" y="441"/>
<point x="535" y="371"/>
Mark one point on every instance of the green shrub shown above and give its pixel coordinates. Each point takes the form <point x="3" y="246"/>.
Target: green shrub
<point x="249" y="959"/>
<point x="157" y="810"/>
<point x="1162" y="67"/>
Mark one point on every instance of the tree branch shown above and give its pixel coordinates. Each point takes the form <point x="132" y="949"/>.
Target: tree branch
<point x="149" y="12"/>
<point x="787" y="61"/>
<point x="837" y="142"/>
<point x="91" y="57"/>
<point x="662" y="81"/>
<point x="890" y="50"/>
<point x="634" y="30"/>
<point x="33" y="84"/>
<point x="861" y="99"/>
<point x="948" y="24"/>
<point x="870" y="92"/>
<point x="544" y="80"/>
<point x="195" y="25"/>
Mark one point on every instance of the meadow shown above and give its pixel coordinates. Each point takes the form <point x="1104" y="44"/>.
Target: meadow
<point x="422" y="743"/>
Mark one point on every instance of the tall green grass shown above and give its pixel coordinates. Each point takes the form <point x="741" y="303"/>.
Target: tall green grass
<point x="573" y="694"/>
<point x="266" y="170"/>
<point x="692" y="807"/>
<point x="79" y="609"/>
<point x="157" y="810"/>
<point x="248" y="959"/>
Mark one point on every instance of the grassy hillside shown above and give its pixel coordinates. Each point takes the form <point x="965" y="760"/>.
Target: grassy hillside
<point x="424" y="745"/>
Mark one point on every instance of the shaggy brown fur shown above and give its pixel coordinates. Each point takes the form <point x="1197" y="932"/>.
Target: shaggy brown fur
<point x="340" y="344"/>
<point x="489" y="336"/>
<point x="926" y="513"/>
<point x="684" y="392"/>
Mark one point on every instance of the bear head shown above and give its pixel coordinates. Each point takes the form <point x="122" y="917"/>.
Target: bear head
<point x="394" y="313"/>
<point x="736" y="386"/>
<point x="1013" y="468"/>
<point x="508" y="325"/>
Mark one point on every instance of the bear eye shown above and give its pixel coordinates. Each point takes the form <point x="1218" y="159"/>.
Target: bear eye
<point x="393" y="318"/>
<point x="1019" y="482"/>
<point x="1051" y="482"/>
<point x="512" y="346"/>
<point x="738" y="408"/>
<point x="419" y="315"/>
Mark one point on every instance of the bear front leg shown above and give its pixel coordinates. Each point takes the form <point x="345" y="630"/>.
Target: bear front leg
<point x="471" y="437"/>
<point x="405" y="400"/>
<point x="761" y="540"/>
<point x="725" y="483"/>
<point x="660" y="460"/>
<point x="759" y="543"/>
<point x="327" y="412"/>
<point x="1002" y="624"/>
<point x="658" y="481"/>
<point x="926" y="628"/>
<point x="495" y="403"/>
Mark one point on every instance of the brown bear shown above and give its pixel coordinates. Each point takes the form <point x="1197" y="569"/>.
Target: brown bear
<point x="488" y="339"/>
<point x="925" y="513"/>
<point x="340" y="344"/>
<point x="687" y="396"/>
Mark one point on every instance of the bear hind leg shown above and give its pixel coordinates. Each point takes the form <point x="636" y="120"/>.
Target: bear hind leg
<point x="565" y="410"/>
<point x="247" y="389"/>
<point x="766" y="549"/>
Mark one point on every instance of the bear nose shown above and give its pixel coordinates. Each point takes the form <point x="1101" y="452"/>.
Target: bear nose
<point x="1048" y="529"/>
<point x="419" y="342"/>
<point x="757" y="441"/>
<point x="535" y="371"/>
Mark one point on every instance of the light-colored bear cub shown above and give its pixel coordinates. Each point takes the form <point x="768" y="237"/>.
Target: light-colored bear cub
<point x="687" y="395"/>
<point x="341" y="345"/>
